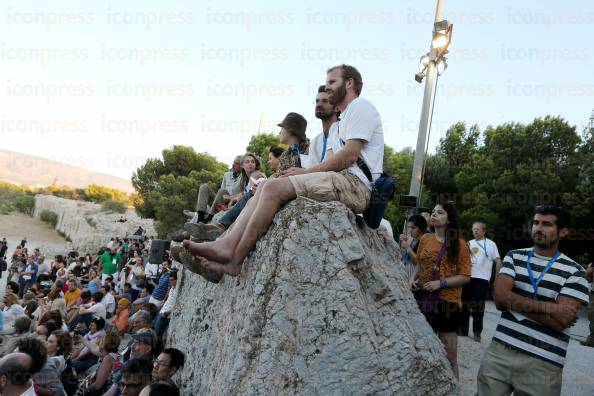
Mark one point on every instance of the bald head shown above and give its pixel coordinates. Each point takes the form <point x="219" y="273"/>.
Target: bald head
<point x="16" y="367"/>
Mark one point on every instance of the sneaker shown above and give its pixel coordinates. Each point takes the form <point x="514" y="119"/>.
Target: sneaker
<point x="477" y="337"/>
<point x="188" y="213"/>
<point x="181" y="255"/>
<point x="204" y="232"/>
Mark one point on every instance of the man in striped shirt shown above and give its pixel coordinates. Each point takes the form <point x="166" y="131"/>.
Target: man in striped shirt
<point x="539" y="291"/>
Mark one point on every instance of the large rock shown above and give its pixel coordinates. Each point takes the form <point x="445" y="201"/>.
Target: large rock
<point x="321" y="307"/>
<point x="86" y="224"/>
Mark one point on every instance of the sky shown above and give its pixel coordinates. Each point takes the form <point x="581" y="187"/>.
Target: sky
<point x="106" y="85"/>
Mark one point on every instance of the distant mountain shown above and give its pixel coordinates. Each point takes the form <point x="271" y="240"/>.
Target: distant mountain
<point x="36" y="171"/>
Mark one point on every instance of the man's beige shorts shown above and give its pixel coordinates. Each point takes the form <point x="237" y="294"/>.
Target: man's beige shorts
<point x="333" y="186"/>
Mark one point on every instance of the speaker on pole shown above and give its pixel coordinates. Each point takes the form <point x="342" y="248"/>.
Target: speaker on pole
<point x="158" y="248"/>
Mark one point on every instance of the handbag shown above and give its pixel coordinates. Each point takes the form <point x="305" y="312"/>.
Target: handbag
<point x="428" y="302"/>
<point x="382" y="191"/>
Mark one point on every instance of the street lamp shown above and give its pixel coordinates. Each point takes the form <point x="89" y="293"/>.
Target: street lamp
<point x="431" y="63"/>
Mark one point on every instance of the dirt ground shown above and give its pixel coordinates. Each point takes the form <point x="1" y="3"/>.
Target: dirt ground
<point x="14" y="227"/>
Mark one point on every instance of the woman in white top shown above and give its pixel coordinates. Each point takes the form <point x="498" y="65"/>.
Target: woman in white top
<point x="11" y="310"/>
<point x="59" y="345"/>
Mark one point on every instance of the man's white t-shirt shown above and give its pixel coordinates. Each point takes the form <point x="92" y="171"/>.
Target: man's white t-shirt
<point x="360" y="120"/>
<point x="109" y="303"/>
<point x="316" y="148"/>
<point x="483" y="254"/>
<point x="98" y="309"/>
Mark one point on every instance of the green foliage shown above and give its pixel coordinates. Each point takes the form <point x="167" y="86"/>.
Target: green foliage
<point x="498" y="177"/>
<point x="164" y="187"/>
<point x="49" y="217"/>
<point x="112" y="205"/>
<point x="13" y="197"/>
<point x="260" y="145"/>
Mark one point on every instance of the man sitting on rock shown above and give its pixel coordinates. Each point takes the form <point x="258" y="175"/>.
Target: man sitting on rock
<point x="207" y="199"/>
<point x="356" y="138"/>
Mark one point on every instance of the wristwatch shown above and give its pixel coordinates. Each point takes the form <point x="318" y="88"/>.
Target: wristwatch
<point x="443" y="284"/>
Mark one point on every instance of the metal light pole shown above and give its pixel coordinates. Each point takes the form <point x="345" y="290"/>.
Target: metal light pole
<point x="434" y="56"/>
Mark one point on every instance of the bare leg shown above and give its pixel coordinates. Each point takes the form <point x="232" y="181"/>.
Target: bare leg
<point x="450" y="341"/>
<point x="272" y="195"/>
<point x="221" y="250"/>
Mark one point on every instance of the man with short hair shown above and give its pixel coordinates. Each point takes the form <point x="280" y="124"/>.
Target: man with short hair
<point x="539" y="291"/>
<point x="208" y="199"/>
<point x="134" y="376"/>
<point x="28" y="276"/>
<point x="86" y="313"/>
<point x="72" y="294"/>
<point x="109" y="261"/>
<point x="15" y="375"/>
<point x="353" y="162"/>
<point x="326" y="112"/>
<point x="484" y="254"/>
<point x="108" y="300"/>
<point x="164" y="316"/>
<point x="167" y="363"/>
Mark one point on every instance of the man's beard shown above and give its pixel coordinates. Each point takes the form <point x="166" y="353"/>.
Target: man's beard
<point x="542" y="241"/>
<point x="338" y="95"/>
<point x="324" y="115"/>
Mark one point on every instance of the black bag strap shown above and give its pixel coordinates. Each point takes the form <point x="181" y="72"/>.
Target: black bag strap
<point x="363" y="166"/>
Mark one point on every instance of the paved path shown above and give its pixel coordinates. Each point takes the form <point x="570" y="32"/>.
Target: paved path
<point x="578" y="374"/>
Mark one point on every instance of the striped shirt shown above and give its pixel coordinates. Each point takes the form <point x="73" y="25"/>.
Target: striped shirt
<point x="564" y="278"/>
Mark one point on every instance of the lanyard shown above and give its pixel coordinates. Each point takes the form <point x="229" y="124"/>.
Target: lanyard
<point x="405" y="257"/>
<point x="324" y="148"/>
<point x="297" y="148"/>
<point x="484" y="246"/>
<point x="536" y="283"/>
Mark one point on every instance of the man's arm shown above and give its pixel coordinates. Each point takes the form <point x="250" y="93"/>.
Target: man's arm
<point x="558" y="315"/>
<point x="336" y="162"/>
<point x="498" y="264"/>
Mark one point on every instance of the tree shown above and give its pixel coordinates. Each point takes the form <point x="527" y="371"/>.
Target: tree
<point x="164" y="187"/>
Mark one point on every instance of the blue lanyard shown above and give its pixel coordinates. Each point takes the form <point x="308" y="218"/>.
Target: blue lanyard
<point x="324" y="148"/>
<point x="536" y="283"/>
<point x="484" y="246"/>
<point x="405" y="257"/>
<point x="297" y="148"/>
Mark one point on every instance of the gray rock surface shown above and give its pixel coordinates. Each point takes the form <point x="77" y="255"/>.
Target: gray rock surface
<point x="86" y="224"/>
<point x="321" y="307"/>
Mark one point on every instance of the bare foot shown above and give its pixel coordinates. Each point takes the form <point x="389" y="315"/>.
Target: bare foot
<point x="229" y="269"/>
<point x="215" y="251"/>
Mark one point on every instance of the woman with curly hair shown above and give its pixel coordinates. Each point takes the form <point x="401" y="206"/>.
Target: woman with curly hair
<point x="48" y="380"/>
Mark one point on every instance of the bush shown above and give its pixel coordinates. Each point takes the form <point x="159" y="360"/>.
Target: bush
<point x="49" y="217"/>
<point x="24" y="203"/>
<point x="112" y="205"/>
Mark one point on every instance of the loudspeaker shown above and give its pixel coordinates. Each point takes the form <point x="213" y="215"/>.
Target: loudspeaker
<point x="158" y="248"/>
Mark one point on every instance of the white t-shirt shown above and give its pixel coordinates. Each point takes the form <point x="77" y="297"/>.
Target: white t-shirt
<point x="151" y="270"/>
<point x="387" y="227"/>
<point x="316" y="148"/>
<point x="98" y="309"/>
<point x="483" y="255"/>
<point x="109" y="302"/>
<point x="360" y="120"/>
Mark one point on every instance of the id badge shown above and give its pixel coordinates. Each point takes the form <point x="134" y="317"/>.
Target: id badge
<point x="114" y="261"/>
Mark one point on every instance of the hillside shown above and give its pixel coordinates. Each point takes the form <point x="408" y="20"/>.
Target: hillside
<point x="36" y="171"/>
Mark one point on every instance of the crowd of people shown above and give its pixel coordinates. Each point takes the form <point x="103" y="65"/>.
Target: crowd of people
<point x="94" y="324"/>
<point x="538" y="289"/>
<point x="88" y="324"/>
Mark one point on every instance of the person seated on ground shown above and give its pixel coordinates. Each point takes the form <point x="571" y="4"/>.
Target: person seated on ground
<point x="35" y="348"/>
<point x="72" y="294"/>
<point x="53" y="302"/>
<point x="250" y="171"/>
<point x="48" y="381"/>
<point x="120" y="320"/>
<point x="94" y="282"/>
<point x="12" y="287"/>
<point x="84" y="358"/>
<point x="143" y="297"/>
<point x="55" y="317"/>
<point x="138" y="277"/>
<point x="85" y="298"/>
<point x="15" y="375"/>
<point x="22" y="326"/>
<point x="87" y="312"/>
<point x="125" y="292"/>
<point x="160" y="291"/>
<point x="99" y="380"/>
<point x="292" y="134"/>
<point x="164" y="316"/>
<point x="135" y="375"/>
<point x="108" y="300"/>
<point x="354" y="160"/>
<point x="208" y="200"/>
<point x="44" y="329"/>
<point x="160" y="388"/>
<point x="167" y="363"/>
<point x="11" y="310"/>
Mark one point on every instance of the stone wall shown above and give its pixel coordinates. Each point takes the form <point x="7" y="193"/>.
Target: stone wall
<point x="320" y="308"/>
<point x="86" y="224"/>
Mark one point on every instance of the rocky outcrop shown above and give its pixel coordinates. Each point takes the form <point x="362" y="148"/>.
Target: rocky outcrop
<point x="86" y="224"/>
<point x="321" y="307"/>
